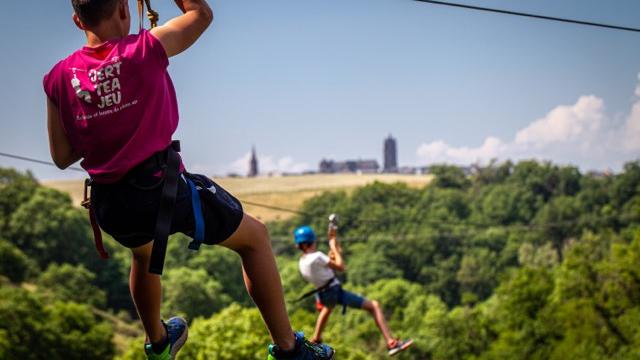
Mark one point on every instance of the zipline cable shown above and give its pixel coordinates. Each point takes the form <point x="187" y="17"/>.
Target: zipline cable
<point x="278" y="208"/>
<point x="534" y="16"/>
<point x="24" y="158"/>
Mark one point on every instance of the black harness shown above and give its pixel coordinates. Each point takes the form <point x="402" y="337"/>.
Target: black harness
<point x="165" y="210"/>
<point x="168" y="163"/>
<point x="329" y="285"/>
<point x="316" y="290"/>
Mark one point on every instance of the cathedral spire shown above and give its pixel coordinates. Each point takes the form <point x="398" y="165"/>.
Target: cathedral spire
<point x="253" y="163"/>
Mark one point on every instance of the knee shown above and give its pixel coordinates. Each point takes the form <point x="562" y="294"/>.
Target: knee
<point x="259" y="235"/>
<point x="260" y="231"/>
<point x="371" y="306"/>
<point x="142" y="253"/>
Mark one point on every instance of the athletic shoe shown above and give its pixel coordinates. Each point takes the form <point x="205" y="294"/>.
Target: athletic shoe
<point x="397" y="346"/>
<point x="304" y="350"/>
<point x="177" y="331"/>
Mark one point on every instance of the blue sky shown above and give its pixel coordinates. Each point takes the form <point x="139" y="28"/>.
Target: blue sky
<point x="303" y="80"/>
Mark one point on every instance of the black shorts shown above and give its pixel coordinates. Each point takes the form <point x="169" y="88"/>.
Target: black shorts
<point x="128" y="213"/>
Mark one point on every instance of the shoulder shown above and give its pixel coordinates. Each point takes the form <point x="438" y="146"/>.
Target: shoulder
<point x="150" y="47"/>
<point x="52" y="79"/>
<point x="320" y="257"/>
<point x="59" y="67"/>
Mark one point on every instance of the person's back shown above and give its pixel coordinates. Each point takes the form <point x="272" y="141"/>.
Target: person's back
<point x="116" y="102"/>
<point x="112" y="104"/>
<point x="314" y="268"/>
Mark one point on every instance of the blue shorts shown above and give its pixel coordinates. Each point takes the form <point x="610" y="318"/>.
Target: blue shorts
<point x="336" y="295"/>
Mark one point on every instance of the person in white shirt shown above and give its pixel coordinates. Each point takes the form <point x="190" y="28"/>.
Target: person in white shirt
<point x="319" y="269"/>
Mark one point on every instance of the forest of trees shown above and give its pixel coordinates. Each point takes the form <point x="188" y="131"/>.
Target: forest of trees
<point x="518" y="261"/>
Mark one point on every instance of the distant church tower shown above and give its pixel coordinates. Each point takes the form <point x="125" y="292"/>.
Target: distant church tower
<point x="253" y="163"/>
<point x="390" y="155"/>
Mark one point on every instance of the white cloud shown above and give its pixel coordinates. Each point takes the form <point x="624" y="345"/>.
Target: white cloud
<point x="632" y="127"/>
<point x="579" y="133"/>
<point x="268" y="164"/>
<point x="564" y="123"/>
<point x="439" y="151"/>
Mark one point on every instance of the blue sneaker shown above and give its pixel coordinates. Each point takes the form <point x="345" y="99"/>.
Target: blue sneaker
<point x="304" y="350"/>
<point x="177" y="331"/>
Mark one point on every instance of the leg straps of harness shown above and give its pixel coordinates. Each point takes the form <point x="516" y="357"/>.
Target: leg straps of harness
<point x="167" y="205"/>
<point x="165" y="210"/>
<point x="316" y="290"/>
<point x="97" y="234"/>
<point x="198" y="218"/>
<point x="327" y="286"/>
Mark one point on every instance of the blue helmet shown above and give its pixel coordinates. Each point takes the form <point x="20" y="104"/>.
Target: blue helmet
<point x="304" y="235"/>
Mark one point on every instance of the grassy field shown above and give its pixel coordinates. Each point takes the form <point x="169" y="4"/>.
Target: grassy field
<point x="281" y="191"/>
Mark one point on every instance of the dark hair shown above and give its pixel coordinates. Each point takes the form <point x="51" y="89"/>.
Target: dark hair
<point x="92" y="12"/>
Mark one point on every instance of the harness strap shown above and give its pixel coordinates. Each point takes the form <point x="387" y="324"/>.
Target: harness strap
<point x="97" y="234"/>
<point x="198" y="236"/>
<point x="152" y="15"/>
<point x="165" y="210"/>
<point x="341" y="300"/>
<point x="316" y="290"/>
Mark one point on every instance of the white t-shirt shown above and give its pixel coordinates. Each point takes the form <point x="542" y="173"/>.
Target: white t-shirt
<point x="314" y="268"/>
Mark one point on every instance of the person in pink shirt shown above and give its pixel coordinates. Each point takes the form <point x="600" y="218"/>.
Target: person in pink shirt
<point x="112" y="105"/>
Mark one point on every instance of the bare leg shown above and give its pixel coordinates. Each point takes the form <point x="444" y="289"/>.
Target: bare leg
<point x="373" y="307"/>
<point x="146" y="292"/>
<point x="251" y="242"/>
<point x="323" y="318"/>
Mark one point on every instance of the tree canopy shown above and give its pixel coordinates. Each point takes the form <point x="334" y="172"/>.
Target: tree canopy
<point x="526" y="260"/>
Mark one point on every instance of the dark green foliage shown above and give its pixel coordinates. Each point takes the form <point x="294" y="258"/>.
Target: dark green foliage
<point x="477" y="273"/>
<point x="448" y="176"/>
<point x="219" y="264"/>
<point x="72" y="283"/>
<point x="15" y="189"/>
<point x="506" y="204"/>
<point x="14" y="264"/>
<point x="49" y="229"/>
<point x="626" y="185"/>
<point x="80" y="335"/>
<point x="21" y="321"/>
<point x="494" y="173"/>
<point x="60" y="331"/>
<point x="234" y="333"/>
<point x="192" y="293"/>
<point x="517" y="261"/>
<point x="366" y="265"/>
<point x="557" y="222"/>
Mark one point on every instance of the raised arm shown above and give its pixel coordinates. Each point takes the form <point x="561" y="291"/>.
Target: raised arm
<point x="179" y="33"/>
<point x="335" y="253"/>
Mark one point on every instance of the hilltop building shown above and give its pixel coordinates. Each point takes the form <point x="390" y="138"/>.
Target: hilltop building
<point x="390" y="155"/>
<point x="253" y="164"/>
<point x="349" y="166"/>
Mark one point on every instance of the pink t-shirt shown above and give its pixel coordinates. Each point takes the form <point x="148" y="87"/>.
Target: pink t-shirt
<point x="116" y="102"/>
